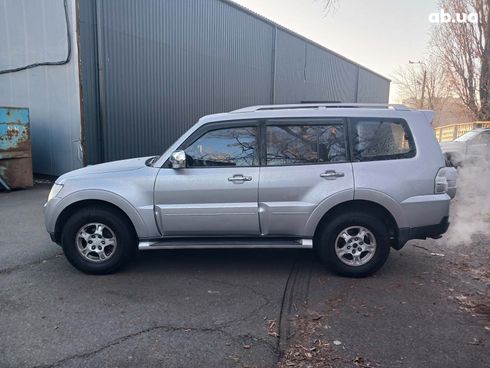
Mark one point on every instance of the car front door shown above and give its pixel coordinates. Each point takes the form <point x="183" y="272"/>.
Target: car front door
<point x="305" y="163"/>
<point x="217" y="192"/>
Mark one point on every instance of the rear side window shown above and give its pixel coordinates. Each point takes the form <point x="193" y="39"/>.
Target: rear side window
<point x="485" y="137"/>
<point x="381" y="139"/>
<point x="482" y="138"/>
<point x="305" y="144"/>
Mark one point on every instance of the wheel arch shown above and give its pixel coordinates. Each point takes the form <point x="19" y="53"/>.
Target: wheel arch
<point x="75" y="206"/>
<point x="365" y="206"/>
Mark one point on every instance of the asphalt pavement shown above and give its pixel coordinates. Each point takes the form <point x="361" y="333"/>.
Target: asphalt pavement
<point x="234" y="308"/>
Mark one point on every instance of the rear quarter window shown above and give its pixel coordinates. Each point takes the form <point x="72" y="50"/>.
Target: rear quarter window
<point x="381" y="139"/>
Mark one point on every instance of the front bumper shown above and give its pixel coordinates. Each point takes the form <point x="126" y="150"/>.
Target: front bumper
<point x="421" y="232"/>
<point x="54" y="239"/>
<point x="50" y="217"/>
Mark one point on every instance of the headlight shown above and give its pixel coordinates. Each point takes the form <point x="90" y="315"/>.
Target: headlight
<point x="55" y="190"/>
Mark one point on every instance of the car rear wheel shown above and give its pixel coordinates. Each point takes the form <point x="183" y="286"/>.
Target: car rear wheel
<point x="354" y="244"/>
<point x="97" y="240"/>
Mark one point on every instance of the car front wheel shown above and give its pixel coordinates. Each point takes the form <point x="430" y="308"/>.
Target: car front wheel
<point x="97" y="240"/>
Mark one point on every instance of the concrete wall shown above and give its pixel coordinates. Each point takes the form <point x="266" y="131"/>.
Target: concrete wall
<point x="34" y="31"/>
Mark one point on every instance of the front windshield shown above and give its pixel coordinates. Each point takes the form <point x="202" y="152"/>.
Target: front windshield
<point x="467" y="136"/>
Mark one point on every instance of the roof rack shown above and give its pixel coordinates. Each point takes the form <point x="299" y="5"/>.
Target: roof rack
<point x="397" y="107"/>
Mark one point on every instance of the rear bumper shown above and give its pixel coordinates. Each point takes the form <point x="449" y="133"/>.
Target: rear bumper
<point x="422" y="232"/>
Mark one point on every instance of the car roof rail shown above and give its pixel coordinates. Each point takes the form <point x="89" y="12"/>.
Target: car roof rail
<point x="398" y="107"/>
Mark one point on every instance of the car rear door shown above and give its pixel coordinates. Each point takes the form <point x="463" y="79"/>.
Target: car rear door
<point x="217" y="193"/>
<point x="305" y="162"/>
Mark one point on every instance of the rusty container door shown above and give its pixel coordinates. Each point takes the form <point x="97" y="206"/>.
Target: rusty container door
<point x="15" y="148"/>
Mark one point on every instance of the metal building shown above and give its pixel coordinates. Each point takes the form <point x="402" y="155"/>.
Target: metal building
<point x="39" y="70"/>
<point x="149" y="69"/>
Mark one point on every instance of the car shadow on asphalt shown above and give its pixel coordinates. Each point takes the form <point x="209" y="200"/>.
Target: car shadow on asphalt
<point x="260" y="260"/>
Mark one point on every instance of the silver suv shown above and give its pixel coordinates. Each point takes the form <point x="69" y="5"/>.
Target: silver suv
<point x="350" y="181"/>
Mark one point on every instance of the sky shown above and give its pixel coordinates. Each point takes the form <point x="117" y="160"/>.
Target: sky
<point x="381" y="35"/>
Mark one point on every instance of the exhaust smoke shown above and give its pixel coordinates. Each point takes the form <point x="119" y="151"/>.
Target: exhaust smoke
<point x="470" y="209"/>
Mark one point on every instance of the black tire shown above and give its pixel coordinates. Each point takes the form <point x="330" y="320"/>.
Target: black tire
<point x="118" y="224"/>
<point x="325" y="243"/>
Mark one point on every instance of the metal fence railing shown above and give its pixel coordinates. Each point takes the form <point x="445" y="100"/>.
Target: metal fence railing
<point x="449" y="133"/>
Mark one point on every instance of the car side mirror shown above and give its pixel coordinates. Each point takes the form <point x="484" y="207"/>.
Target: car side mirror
<point x="177" y="159"/>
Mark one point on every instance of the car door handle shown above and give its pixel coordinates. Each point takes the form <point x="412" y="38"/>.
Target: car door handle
<point x="331" y="174"/>
<point x="239" y="178"/>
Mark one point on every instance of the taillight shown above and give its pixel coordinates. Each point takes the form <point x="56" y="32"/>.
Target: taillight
<point x="441" y="184"/>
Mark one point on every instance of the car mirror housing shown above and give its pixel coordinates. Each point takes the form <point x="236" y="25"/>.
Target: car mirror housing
<point x="177" y="159"/>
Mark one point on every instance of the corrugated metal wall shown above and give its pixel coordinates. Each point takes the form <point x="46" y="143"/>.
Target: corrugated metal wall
<point x="372" y="87"/>
<point x="306" y="72"/>
<point x="91" y="129"/>
<point x="163" y="64"/>
<point x="166" y="63"/>
<point x="33" y="32"/>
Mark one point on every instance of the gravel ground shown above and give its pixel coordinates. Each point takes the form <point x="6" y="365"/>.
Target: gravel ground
<point x="428" y="307"/>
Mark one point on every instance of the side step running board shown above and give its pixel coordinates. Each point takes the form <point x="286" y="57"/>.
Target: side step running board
<point x="224" y="243"/>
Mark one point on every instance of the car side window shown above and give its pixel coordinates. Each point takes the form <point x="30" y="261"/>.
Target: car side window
<point x="482" y="138"/>
<point x="227" y="147"/>
<point x="305" y="144"/>
<point x="381" y="139"/>
<point x="486" y="138"/>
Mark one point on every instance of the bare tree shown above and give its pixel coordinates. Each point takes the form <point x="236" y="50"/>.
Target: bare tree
<point x="329" y="6"/>
<point x="413" y="84"/>
<point x="408" y="79"/>
<point x="464" y="50"/>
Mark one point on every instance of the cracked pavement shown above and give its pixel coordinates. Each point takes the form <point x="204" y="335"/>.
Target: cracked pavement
<point x="177" y="308"/>
<point x="208" y="308"/>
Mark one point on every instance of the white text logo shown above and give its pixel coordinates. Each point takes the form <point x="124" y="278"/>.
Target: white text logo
<point x="443" y="17"/>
